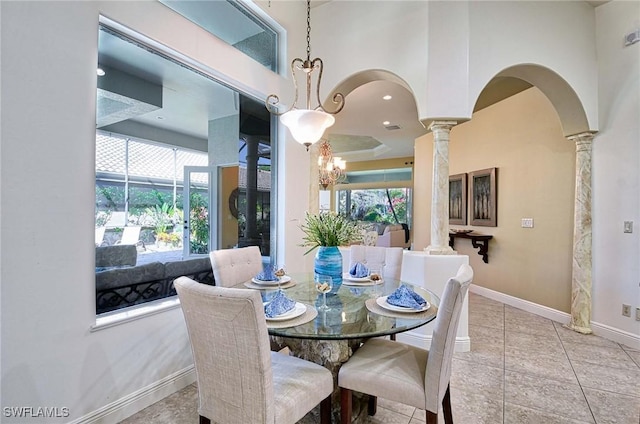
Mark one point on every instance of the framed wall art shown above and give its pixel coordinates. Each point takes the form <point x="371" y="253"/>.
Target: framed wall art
<point x="458" y="199"/>
<point x="484" y="197"/>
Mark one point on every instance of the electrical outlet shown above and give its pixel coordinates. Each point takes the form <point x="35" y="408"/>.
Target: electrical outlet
<point x="626" y="310"/>
<point x="527" y="223"/>
<point x="637" y="314"/>
<point x="628" y="226"/>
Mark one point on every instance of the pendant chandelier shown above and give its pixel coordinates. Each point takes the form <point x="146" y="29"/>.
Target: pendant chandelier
<point x="330" y="169"/>
<point x="306" y="125"/>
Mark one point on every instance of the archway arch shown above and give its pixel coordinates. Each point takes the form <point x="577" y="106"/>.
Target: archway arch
<point x="358" y="79"/>
<point x="562" y="96"/>
<point x="371" y="126"/>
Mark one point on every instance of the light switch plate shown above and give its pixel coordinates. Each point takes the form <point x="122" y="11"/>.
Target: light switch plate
<point x="628" y="226"/>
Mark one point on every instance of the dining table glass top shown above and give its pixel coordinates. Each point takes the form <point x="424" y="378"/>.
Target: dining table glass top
<point x="348" y="316"/>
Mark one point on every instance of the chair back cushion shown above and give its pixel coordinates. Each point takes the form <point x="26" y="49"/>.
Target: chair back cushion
<point x="235" y="266"/>
<point x="387" y="259"/>
<point x="443" y="339"/>
<point x="230" y="345"/>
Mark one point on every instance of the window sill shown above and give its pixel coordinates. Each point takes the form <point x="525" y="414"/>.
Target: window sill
<point x="111" y="319"/>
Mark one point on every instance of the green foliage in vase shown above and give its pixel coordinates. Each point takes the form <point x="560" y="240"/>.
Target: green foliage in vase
<point x="329" y="229"/>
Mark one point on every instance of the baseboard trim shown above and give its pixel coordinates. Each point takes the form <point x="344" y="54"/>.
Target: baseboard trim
<point x="122" y="408"/>
<point x="463" y="344"/>
<point x="613" y="334"/>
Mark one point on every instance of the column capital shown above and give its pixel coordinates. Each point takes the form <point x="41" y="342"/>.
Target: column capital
<point x="582" y="137"/>
<point x="583" y="141"/>
<point x="442" y="125"/>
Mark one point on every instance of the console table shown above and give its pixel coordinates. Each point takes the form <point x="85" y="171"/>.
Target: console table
<point x="478" y="241"/>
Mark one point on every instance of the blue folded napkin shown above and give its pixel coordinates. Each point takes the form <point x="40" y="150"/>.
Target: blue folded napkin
<point x="279" y="305"/>
<point x="267" y="274"/>
<point x="359" y="270"/>
<point x="406" y="297"/>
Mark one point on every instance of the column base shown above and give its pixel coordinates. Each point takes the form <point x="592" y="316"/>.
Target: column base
<point x="578" y="329"/>
<point x="440" y="250"/>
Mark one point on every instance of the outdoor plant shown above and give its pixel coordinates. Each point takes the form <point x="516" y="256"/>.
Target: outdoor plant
<point x="102" y="217"/>
<point x="199" y="222"/>
<point x="169" y="238"/>
<point x="160" y="217"/>
<point x="329" y="229"/>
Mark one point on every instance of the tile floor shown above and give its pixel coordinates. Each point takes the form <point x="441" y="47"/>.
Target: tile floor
<point x="521" y="369"/>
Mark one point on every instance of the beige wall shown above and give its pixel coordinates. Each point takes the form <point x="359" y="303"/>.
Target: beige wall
<point x="229" y="227"/>
<point x="522" y="137"/>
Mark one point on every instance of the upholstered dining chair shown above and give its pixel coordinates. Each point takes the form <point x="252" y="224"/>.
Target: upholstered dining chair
<point x="387" y="259"/>
<point x="408" y="374"/>
<point x="240" y="380"/>
<point x="234" y="266"/>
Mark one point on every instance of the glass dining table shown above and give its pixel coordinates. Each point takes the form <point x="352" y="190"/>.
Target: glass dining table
<point x="357" y="312"/>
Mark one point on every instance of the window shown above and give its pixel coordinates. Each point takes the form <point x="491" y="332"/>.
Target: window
<point x="232" y="22"/>
<point x="382" y="196"/>
<point x="141" y="184"/>
<point x="388" y="205"/>
<point x="183" y="166"/>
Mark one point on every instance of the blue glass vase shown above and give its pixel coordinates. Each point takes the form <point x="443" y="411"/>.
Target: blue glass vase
<point x="328" y="261"/>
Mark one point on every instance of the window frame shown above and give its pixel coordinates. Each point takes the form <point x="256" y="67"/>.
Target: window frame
<point x="129" y="313"/>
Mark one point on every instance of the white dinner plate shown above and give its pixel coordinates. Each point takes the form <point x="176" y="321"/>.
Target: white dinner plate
<point x="382" y="302"/>
<point x="285" y="279"/>
<point x="298" y="310"/>
<point x="361" y="283"/>
<point x="349" y="277"/>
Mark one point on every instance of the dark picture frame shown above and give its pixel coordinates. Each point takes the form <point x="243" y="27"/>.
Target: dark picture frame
<point x="458" y="199"/>
<point x="484" y="196"/>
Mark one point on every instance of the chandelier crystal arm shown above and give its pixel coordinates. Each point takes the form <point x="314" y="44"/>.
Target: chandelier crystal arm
<point x="331" y="169"/>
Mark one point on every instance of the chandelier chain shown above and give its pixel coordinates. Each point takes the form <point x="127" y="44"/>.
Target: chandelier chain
<point x="309" y="30"/>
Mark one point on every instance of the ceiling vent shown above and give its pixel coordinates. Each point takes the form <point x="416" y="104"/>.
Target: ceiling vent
<point x="392" y="127"/>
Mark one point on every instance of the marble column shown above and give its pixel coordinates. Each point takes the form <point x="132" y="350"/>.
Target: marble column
<point x="440" y="190"/>
<point x="581" y="272"/>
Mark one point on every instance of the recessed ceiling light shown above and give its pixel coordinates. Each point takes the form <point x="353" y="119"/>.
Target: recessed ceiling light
<point x="100" y="72"/>
<point x="385" y="123"/>
<point x="387" y="97"/>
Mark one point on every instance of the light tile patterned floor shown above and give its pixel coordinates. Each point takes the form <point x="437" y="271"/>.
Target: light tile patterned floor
<point x="522" y="369"/>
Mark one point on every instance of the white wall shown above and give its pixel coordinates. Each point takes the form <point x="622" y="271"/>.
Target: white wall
<point x="389" y="35"/>
<point x="559" y="35"/>
<point x="616" y="168"/>
<point x="49" y="57"/>
<point x="472" y="42"/>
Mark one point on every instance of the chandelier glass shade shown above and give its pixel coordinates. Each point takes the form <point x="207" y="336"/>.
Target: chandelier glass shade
<point x="307" y="125"/>
<point x="331" y="170"/>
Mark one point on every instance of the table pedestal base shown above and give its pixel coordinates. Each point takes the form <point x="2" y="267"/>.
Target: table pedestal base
<point x="331" y="354"/>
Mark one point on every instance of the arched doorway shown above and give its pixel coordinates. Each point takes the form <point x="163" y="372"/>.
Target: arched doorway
<point x="575" y="128"/>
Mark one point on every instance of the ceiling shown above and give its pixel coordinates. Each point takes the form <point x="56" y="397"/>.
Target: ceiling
<point x="191" y="100"/>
